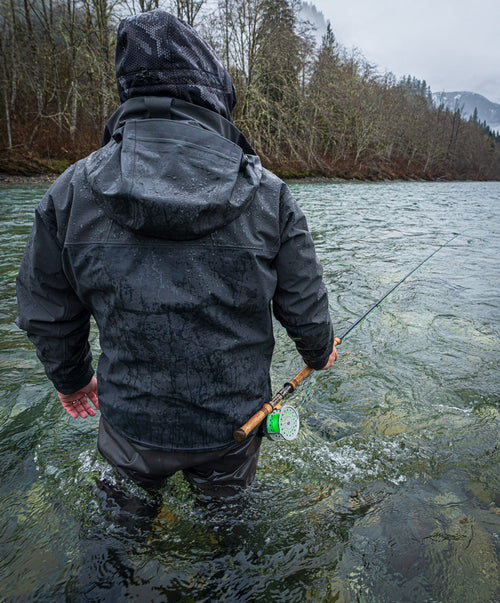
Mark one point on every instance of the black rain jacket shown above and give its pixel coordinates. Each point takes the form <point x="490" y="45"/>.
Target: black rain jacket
<point x="176" y="240"/>
<point x="179" y="244"/>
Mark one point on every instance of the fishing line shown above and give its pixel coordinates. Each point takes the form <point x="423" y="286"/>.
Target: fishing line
<point x="377" y="304"/>
<point x="287" y="426"/>
<point x="309" y="390"/>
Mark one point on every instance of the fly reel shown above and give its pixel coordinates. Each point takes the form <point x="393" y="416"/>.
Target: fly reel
<point x="282" y="424"/>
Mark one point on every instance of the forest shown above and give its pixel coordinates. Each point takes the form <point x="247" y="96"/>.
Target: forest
<point x="309" y="109"/>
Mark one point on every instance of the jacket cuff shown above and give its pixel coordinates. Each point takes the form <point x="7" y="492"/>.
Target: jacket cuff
<point x="70" y="386"/>
<point x="318" y="362"/>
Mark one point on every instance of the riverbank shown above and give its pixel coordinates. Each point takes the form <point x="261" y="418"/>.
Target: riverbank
<point x="39" y="179"/>
<point x="50" y="178"/>
<point x="20" y="167"/>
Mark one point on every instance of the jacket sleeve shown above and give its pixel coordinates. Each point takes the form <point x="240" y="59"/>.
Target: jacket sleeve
<point x="300" y="302"/>
<point x="50" y="312"/>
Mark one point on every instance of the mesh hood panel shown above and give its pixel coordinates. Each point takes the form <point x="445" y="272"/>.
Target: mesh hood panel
<point x="158" y="54"/>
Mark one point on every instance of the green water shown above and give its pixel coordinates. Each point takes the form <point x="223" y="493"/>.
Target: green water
<point x="390" y="493"/>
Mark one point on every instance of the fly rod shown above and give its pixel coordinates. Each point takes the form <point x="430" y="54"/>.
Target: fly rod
<point x="285" y="425"/>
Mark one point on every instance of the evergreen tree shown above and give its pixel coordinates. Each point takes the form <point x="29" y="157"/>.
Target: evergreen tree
<point x="278" y="53"/>
<point x="328" y="42"/>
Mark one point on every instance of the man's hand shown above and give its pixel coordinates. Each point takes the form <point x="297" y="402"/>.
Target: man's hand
<point x="331" y="359"/>
<point x="76" y="404"/>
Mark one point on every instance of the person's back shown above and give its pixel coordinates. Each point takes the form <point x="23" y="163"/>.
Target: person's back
<point x="177" y="241"/>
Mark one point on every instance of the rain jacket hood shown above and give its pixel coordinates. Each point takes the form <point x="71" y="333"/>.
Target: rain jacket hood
<point x="211" y="171"/>
<point x="158" y="54"/>
<point x="174" y="126"/>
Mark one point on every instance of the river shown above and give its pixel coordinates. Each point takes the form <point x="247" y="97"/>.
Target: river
<point x="390" y="493"/>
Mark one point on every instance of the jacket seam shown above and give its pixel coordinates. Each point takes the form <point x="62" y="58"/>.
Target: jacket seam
<point x="160" y="244"/>
<point x="133" y="175"/>
<point x="192" y="145"/>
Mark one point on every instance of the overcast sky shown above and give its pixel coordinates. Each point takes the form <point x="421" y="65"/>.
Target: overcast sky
<point x="452" y="44"/>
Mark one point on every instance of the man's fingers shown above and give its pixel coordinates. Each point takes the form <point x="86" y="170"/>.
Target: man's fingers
<point x="94" y="399"/>
<point x="80" y="407"/>
<point x="76" y="404"/>
<point x="331" y="359"/>
<point x="83" y="408"/>
<point x="69" y="407"/>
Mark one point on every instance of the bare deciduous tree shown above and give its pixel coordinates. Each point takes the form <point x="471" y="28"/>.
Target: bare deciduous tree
<point x="305" y="109"/>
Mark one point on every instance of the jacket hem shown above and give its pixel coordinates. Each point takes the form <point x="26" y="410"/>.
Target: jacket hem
<point x="140" y="444"/>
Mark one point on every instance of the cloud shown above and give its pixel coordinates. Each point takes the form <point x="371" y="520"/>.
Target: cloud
<point x="452" y="44"/>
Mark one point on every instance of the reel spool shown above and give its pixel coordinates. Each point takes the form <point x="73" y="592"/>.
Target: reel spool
<point x="282" y="424"/>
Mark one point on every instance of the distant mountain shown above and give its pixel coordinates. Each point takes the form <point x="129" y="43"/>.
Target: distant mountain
<point x="467" y="102"/>
<point x="309" y="12"/>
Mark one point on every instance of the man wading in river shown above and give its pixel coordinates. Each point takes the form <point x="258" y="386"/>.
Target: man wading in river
<point x="176" y="240"/>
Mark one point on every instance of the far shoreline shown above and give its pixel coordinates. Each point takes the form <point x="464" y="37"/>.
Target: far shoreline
<point x="48" y="179"/>
<point x="6" y="179"/>
<point x="35" y="179"/>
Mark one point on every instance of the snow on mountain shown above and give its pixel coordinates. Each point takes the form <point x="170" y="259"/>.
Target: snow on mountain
<point x="468" y="101"/>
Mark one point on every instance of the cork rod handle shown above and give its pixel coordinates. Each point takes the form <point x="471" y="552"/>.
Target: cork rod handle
<point x="240" y="435"/>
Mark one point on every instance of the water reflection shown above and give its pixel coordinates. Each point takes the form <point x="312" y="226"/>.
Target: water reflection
<point x="390" y="493"/>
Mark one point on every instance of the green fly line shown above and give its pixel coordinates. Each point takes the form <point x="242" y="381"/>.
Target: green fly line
<point x="309" y="390"/>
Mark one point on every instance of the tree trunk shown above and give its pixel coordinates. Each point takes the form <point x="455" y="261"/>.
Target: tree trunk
<point x="7" y="118"/>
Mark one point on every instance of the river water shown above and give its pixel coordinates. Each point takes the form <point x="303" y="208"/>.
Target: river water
<point x="391" y="492"/>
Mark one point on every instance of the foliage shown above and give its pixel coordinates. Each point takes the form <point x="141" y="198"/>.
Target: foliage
<point x="307" y="110"/>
